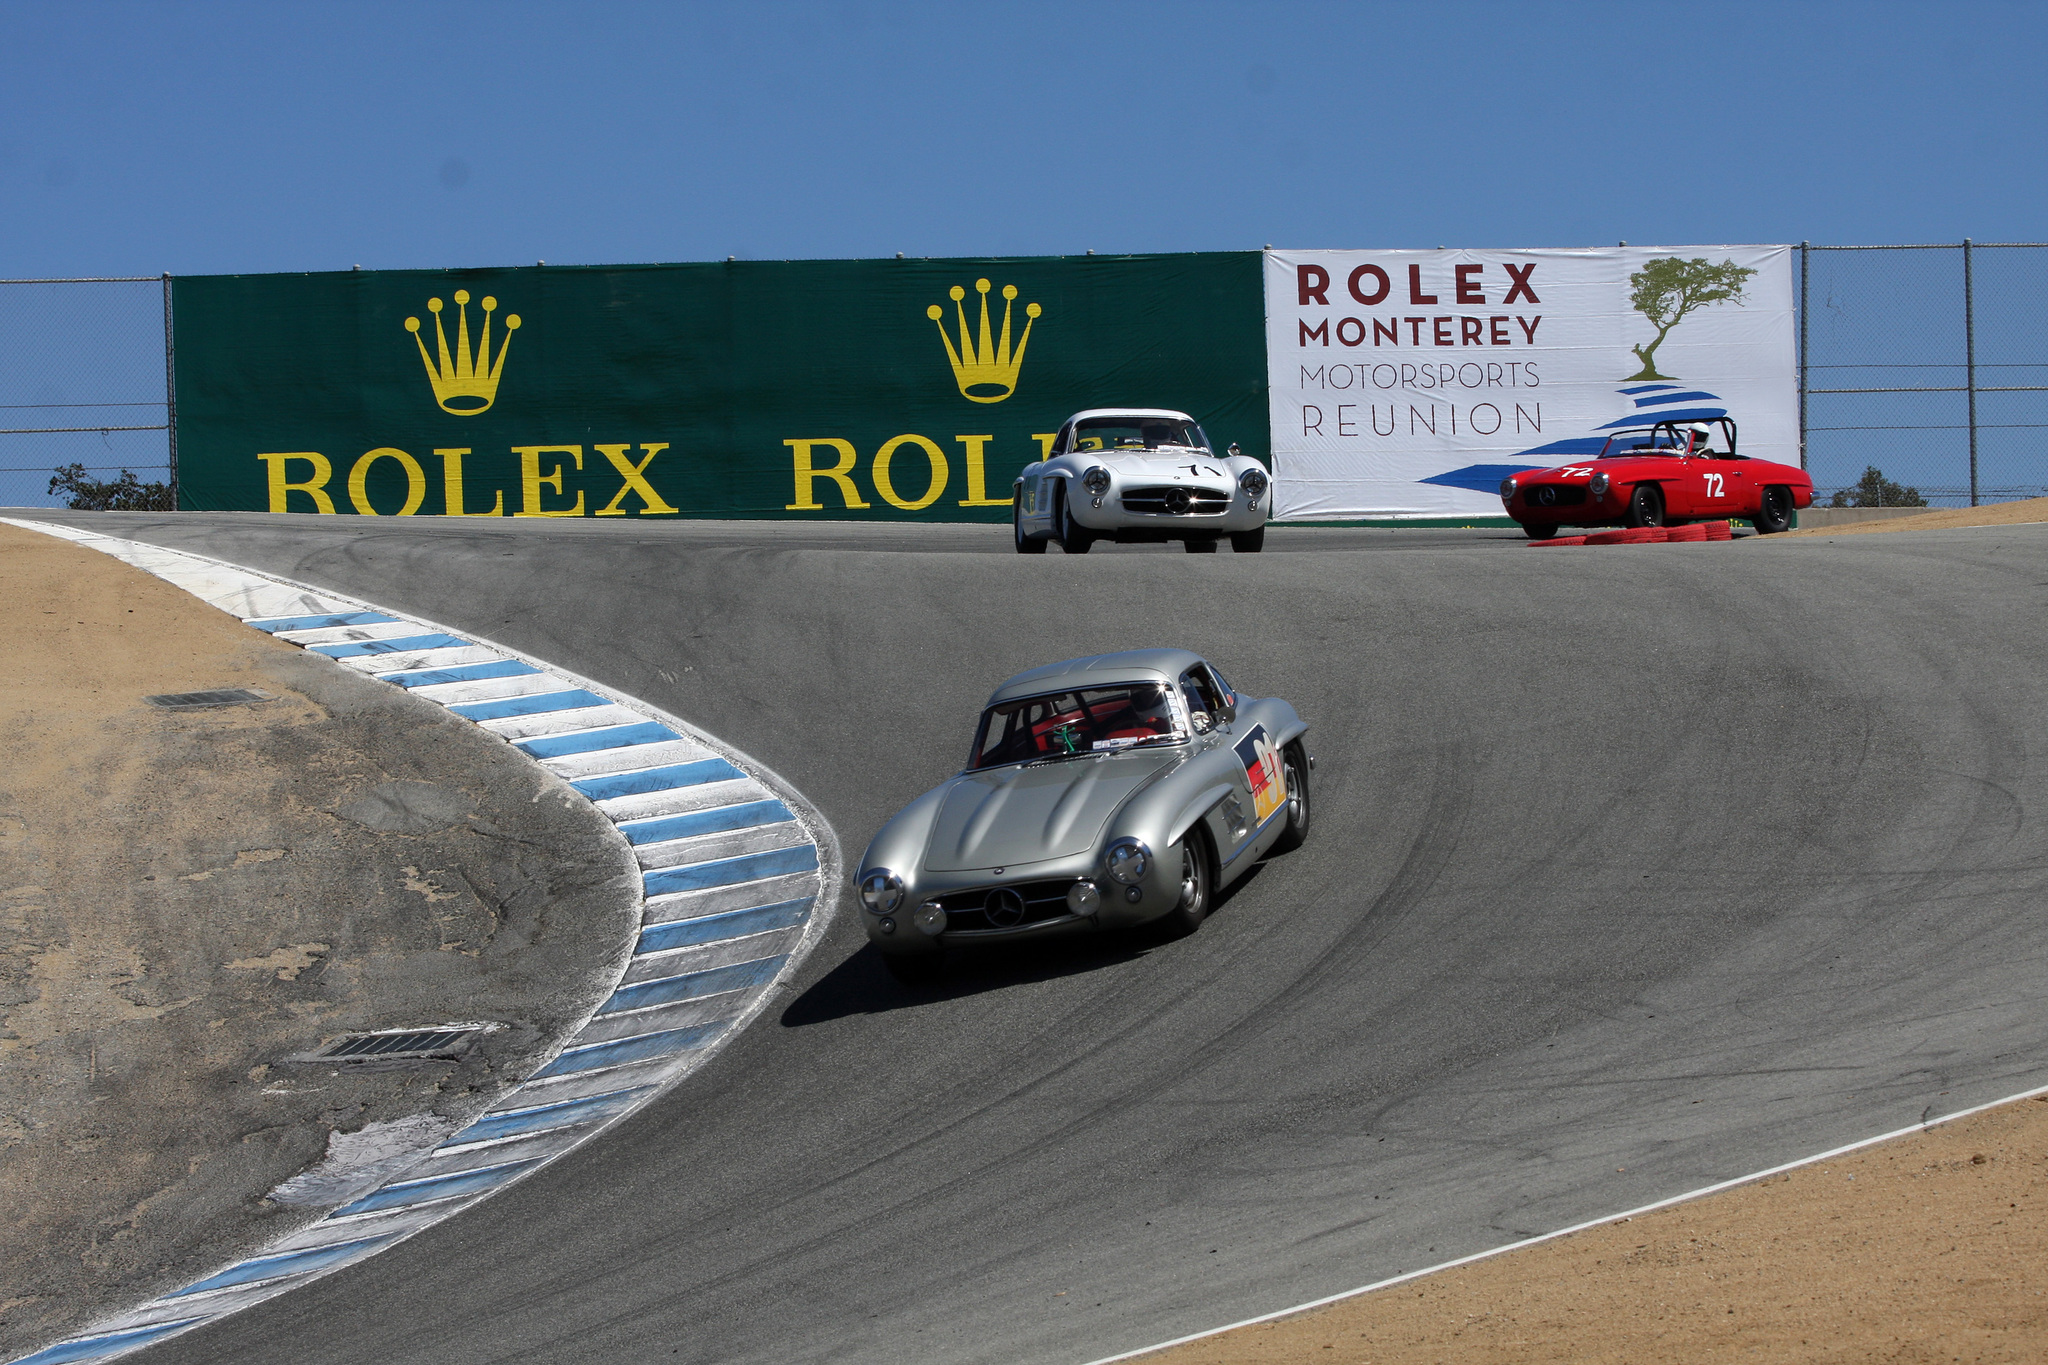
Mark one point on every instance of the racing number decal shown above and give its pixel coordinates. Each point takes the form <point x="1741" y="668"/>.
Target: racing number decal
<point x="1714" y="485"/>
<point x="1573" y="471"/>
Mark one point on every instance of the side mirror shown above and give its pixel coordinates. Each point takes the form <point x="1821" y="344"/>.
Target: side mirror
<point x="1200" y="720"/>
<point x="1234" y="452"/>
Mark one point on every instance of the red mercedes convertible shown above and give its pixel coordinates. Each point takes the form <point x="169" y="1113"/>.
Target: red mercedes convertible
<point x="1664" y="475"/>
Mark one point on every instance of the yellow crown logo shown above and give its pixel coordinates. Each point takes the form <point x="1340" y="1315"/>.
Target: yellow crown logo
<point x="986" y="373"/>
<point x="465" y="384"/>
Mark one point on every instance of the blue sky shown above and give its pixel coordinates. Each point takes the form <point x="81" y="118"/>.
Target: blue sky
<point x="194" y="138"/>
<point x="199" y="138"/>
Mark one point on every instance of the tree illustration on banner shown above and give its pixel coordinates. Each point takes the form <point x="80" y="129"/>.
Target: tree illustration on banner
<point x="1667" y="289"/>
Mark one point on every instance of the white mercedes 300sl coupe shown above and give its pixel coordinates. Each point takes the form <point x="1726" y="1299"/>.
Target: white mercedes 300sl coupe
<point x="1139" y="474"/>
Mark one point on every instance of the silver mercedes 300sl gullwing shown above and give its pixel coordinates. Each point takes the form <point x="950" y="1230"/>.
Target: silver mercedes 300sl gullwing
<point x="1139" y="474"/>
<point x="1101" y="793"/>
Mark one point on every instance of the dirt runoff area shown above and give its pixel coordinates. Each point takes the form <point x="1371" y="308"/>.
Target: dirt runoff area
<point x="190" y="898"/>
<point x="1928" y="1248"/>
<point x="1946" y="518"/>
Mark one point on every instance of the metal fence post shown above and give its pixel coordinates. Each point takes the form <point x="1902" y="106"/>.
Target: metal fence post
<point x="1970" y="362"/>
<point x="171" y="391"/>
<point x="1805" y="255"/>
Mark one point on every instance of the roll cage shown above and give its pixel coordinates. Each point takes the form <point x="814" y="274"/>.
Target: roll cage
<point x="1670" y="438"/>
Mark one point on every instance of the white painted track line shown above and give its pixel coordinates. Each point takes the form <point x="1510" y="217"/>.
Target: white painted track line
<point x="1637" y="1212"/>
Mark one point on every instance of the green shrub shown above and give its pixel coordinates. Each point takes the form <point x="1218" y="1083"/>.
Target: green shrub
<point x="125" y="494"/>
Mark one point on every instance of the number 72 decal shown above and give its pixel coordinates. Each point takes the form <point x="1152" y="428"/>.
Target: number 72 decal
<point x="1714" y="488"/>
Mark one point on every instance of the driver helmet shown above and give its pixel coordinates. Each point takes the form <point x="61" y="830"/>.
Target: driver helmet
<point x="1152" y="706"/>
<point x="1702" y="435"/>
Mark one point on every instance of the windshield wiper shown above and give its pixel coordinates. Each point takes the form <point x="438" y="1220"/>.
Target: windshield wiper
<point x="1059" y="758"/>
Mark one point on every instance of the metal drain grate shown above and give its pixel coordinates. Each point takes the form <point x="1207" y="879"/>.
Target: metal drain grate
<point x="445" y="1043"/>
<point x="196" y="701"/>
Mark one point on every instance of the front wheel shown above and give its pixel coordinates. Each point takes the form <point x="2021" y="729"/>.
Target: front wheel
<point x="1776" y="513"/>
<point x="1294" y="770"/>
<point x="1200" y="545"/>
<point x="1646" y="505"/>
<point x="1074" y="537"/>
<point x="1248" y="542"/>
<point x="1197" y="882"/>
<point x="1537" y="530"/>
<point x="1026" y="545"/>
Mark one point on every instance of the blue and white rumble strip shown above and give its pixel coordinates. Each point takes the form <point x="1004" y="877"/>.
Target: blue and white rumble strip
<point x="733" y="866"/>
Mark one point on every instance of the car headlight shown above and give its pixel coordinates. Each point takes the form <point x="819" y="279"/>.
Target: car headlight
<point x="930" y="917"/>
<point x="1598" y="483"/>
<point x="1507" y="489"/>
<point x="1096" y="480"/>
<point x="1084" y="898"/>
<point x="1126" y="861"/>
<point x="1253" y="482"/>
<point x="881" y="891"/>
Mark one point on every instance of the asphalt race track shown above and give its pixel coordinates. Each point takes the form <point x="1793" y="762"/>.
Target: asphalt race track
<point x="1634" y="869"/>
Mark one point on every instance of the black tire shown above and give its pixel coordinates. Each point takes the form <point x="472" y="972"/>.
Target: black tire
<point x="1026" y="545"/>
<point x="1073" y="537"/>
<point x="1776" y="513"/>
<point x="1537" y="530"/>
<point x="915" y="969"/>
<point x="1248" y="542"/>
<point x="1646" y="505"/>
<point x="1200" y="545"/>
<point x="1198" y="885"/>
<point x="1294" y="763"/>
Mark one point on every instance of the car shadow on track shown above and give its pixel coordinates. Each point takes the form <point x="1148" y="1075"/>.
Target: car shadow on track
<point x="862" y="984"/>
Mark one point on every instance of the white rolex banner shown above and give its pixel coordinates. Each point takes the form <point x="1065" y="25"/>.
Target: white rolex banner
<point x="1408" y="384"/>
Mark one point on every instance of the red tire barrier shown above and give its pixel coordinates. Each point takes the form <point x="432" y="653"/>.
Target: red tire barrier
<point x="1686" y="533"/>
<point x="1560" y="540"/>
<point x="1719" y="530"/>
<point x="1609" y="537"/>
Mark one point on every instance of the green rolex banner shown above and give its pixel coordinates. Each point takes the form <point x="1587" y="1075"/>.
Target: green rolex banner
<point x="796" y="389"/>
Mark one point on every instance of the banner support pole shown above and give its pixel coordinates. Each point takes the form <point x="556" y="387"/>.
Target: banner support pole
<point x="171" y="393"/>
<point x="1970" y="361"/>
<point x="1805" y="255"/>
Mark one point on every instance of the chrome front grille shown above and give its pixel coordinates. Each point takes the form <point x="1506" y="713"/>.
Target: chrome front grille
<point x="1177" y="500"/>
<point x="970" y="911"/>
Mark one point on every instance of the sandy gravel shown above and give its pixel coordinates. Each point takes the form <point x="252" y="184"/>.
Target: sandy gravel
<point x="1929" y="1248"/>
<point x="189" y="898"/>
<point x="1946" y="518"/>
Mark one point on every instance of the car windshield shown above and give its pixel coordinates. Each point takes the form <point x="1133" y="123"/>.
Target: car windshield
<point x="1137" y="433"/>
<point x="1640" y="441"/>
<point x="1082" y="721"/>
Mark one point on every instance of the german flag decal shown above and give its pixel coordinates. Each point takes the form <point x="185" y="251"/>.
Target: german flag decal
<point x="1263" y="771"/>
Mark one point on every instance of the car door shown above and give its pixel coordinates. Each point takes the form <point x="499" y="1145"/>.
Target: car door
<point x="1722" y="488"/>
<point x="1745" y="491"/>
<point x="1230" y="822"/>
<point x="1242" y="822"/>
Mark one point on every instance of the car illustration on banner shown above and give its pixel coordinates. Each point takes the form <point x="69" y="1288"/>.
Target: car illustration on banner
<point x="1138" y="475"/>
<point x="1101" y="793"/>
<point x="1665" y="474"/>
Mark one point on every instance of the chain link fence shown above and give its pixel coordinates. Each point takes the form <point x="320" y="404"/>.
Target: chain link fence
<point x="1927" y="364"/>
<point x="84" y="380"/>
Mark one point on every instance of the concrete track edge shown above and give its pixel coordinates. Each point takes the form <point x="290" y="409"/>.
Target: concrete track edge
<point x="706" y="962"/>
<point x="1621" y="1216"/>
